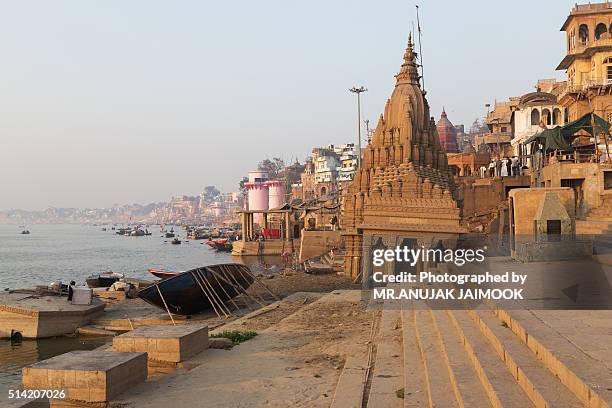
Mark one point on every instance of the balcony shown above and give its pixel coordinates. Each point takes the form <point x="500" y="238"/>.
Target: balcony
<point x="494" y="138"/>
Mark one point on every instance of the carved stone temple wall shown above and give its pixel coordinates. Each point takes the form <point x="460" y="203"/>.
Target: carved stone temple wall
<point x="404" y="188"/>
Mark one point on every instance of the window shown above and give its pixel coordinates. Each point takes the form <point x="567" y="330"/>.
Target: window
<point x="607" y="180"/>
<point x="546" y="117"/>
<point x="609" y="72"/>
<point x="504" y="129"/>
<point x="535" y="117"/>
<point x="583" y="34"/>
<point x="600" y="30"/>
<point x="557" y="116"/>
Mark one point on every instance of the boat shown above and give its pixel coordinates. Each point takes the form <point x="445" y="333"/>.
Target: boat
<point x="214" y="242"/>
<point x="169" y="235"/>
<point x="175" y="241"/>
<point x="162" y="273"/>
<point x="25" y="232"/>
<point x="188" y="292"/>
<point x="103" y="280"/>
<point x="223" y="246"/>
<point x="123" y="231"/>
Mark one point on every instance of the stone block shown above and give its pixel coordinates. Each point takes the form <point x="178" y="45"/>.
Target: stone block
<point x="89" y="376"/>
<point x="165" y="343"/>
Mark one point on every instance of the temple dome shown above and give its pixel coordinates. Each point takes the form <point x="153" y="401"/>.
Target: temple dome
<point x="447" y="133"/>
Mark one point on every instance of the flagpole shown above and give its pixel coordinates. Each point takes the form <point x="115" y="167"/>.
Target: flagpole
<point x="420" y="45"/>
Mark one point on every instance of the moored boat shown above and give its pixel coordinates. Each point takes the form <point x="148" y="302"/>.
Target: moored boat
<point x="162" y="273"/>
<point x="191" y="292"/>
<point x="103" y="280"/>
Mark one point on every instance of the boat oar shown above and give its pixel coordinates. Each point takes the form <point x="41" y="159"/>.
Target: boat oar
<point x="247" y="272"/>
<point x="214" y="275"/>
<point x="165" y="305"/>
<point x="243" y="289"/>
<point x="216" y="296"/>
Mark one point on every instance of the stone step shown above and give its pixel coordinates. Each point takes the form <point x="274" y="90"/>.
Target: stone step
<point x="604" y="259"/>
<point x="600" y="216"/>
<point x="587" y="378"/>
<point x="540" y="385"/>
<point x="466" y="385"/>
<point x="441" y="392"/>
<point x="500" y="386"/>
<point x="415" y="386"/>
<point x="387" y="377"/>
<point x="592" y="226"/>
<point x="349" y="390"/>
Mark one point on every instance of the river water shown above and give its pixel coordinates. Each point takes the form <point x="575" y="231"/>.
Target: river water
<point x="73" y="252"/>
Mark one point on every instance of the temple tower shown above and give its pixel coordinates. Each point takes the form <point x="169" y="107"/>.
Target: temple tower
<point x="403" y="190"/>
<point x="447" y="133"/>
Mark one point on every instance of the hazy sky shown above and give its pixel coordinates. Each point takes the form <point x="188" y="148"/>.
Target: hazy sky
<point x="129" y="101"/>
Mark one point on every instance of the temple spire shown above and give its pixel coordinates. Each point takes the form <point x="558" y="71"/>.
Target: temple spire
<point x="408" y="71"/>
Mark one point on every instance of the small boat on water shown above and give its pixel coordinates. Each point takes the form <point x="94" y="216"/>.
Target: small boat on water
<point x="214" y="242"/>
<point x="191" y="292"/>
<point x="103" y="280"/>
<point x="176" y="241"/>
<point x="223" y="246"/>
<point x="25" y="232"/>
<point x="162" y="273"/>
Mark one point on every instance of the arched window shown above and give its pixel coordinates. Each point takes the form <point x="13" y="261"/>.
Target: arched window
<point x="557" y="120"/>
<point x="323" y="191"/>
<point x="535" y="117"/>
<point x="546" y="117"/>
<point x="600" y="30"/>
<point x="583" y="34"/>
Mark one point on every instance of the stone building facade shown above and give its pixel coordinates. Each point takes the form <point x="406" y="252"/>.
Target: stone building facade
<point x="403" y="192"/>
<point x="329" y="170"/>
<point x="588" y="61"/>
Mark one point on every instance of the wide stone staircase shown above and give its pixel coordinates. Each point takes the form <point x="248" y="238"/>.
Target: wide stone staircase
<point x="480" y="358"/>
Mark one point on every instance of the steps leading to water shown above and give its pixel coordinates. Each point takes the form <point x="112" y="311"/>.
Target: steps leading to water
<point x="469" y="391"/>
<point x="584" y="376"/>
<point x="499" y="384"/>
<point x="541" y="386"/>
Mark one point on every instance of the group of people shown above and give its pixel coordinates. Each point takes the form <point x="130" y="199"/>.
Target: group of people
<point x="502" y="167"/>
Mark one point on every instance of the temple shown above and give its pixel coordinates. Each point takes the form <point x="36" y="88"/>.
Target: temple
<point x="403" y="193"/>
<point x="447" y="134"/>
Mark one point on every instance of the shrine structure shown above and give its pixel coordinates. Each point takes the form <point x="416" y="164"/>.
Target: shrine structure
<point x="403" y="194"/>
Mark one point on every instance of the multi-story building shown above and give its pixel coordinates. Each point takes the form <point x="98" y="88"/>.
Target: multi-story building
<point x="513" y="121"/>
<point x="588" y="61"/>
<point x="328" y="170"/>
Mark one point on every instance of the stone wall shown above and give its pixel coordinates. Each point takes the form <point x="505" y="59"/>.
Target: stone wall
<point x="315" y="243"/>
<point x="589" y="175"/>
<point x="478" y="196"/>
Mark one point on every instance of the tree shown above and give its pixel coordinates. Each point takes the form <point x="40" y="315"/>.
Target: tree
<point x="241" y="184"/>
<point x="273" y="167"/>
<point x="210" y="193"/>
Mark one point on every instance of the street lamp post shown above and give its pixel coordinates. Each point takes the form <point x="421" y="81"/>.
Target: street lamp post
<point x="358" y="91"/>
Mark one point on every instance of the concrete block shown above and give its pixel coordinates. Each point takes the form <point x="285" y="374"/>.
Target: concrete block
<point x="89" y="376"/>
<point x="165" y="343"/>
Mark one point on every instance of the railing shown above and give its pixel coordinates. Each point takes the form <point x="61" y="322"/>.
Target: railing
<point x="592" y="6"/>
<point x="574" y="157"/>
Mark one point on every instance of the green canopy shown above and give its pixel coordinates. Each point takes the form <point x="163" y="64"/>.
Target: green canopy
<point x="561" y="137"/>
